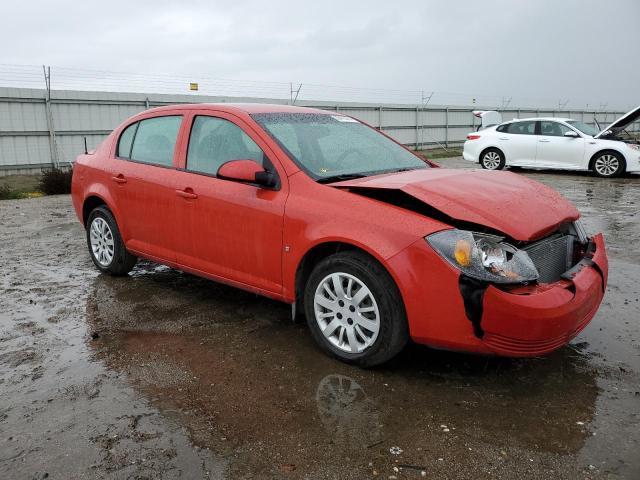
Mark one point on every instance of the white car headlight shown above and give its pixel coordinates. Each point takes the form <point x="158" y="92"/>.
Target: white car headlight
<point x="633" y="146"/>
<point x="483" y="257"/>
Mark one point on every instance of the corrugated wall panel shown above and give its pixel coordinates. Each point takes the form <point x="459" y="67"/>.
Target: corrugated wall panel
<point x="24" y="150"/>
<point x="22" y="116"/>
<point x="400" y="118"/>
<point x="369" y="116"/>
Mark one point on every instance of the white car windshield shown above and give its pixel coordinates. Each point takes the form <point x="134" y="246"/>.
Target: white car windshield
<point x="583" y="127"/>
<point x="335" y="147"/>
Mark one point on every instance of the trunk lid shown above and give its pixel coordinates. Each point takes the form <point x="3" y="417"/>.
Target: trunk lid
<point x="488" y="118"/>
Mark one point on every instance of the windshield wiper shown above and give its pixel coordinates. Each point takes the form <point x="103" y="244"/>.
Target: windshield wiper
<point x="405" y="169"/>
<point x="341" y="177"/>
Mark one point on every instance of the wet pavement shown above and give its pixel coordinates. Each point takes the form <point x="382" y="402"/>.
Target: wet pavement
<point x="165" y="375"/>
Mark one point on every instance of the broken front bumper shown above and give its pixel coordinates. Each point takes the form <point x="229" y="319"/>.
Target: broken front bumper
<point x="536" y="323"/>
<point x="520" y="322"/>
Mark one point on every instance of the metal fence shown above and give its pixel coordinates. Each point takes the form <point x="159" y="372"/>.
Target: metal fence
<point x="37" y="132"/>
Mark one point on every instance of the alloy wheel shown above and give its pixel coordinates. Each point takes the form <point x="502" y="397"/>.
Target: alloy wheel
<point x="102" y="244"/>
<point x="346" y="312"/>
<point x="491" y="160"/>
<point x="607" y="165"/>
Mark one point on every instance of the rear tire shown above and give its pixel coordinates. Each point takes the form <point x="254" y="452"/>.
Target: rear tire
<point x="492" y="159"/>
<point x="608" y="164"/>
<point x="105" y="244"/>
<point x="354" y="309"/>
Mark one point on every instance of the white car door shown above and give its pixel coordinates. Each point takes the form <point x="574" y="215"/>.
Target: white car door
<point x="518" y="142"/>
<point x="555" y="150"/>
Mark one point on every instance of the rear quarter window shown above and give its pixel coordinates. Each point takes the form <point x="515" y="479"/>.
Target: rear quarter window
<point x="126" y="141"/>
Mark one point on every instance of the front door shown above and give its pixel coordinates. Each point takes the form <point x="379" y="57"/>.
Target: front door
<point x="230" y="230"/>
<point x="557" y="151"/>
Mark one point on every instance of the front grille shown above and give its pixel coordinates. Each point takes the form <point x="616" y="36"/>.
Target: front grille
<point x="551" y="256"/>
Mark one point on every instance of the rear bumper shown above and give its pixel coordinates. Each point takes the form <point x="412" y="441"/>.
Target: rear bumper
<point x="467" y="156"/>
<point x="525" y="322"/>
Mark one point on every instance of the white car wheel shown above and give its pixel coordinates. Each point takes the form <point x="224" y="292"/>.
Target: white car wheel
<point x="608" y="164"/>
<point x="492" y="159"/>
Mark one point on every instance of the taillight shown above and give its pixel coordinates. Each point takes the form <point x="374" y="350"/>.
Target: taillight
<point x="473" y="137"/>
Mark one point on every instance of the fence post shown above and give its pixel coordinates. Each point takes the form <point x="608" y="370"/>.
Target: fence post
<point x="380" y="117"/>
<point x="446" y="127"/>
<point x="417" y="127"/>
<point x="53" y="150"/>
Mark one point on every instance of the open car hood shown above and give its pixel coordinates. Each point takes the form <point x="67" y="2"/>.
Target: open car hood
<point x="621" y="122"/>
<point x="509" y="203"/>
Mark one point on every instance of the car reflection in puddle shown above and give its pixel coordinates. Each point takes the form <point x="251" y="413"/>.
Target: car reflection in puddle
<point x="349" y="416"/>
<point x="250" y="385"/>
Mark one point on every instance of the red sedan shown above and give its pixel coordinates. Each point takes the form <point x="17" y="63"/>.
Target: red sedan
<point x="370" y="242"/>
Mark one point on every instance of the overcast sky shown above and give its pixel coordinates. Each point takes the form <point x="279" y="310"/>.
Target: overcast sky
<point x="537" y="51"/>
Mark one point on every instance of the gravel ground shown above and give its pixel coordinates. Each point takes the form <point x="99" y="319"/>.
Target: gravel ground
<point x="165" y="375"/>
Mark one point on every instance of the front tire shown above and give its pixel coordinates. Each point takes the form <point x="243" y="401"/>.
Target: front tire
<point x="105" y="244"/>
<point x="492" y="159"/>
<point x="354" y="310"/>
<point x="608" y="164"/>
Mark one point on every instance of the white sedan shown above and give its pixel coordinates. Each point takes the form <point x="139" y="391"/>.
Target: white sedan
<point x="556" y="143"/>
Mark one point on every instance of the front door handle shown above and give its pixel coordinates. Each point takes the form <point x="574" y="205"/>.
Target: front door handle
<point x="542" y="140"/>
<point x="187" y="193"/>
<point x="119" y="178"/>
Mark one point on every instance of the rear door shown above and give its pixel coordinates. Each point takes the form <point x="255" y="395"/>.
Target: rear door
<point x="144" y="182"/>
<point x="557" y="151"/>
<point x="518" y="141"/>
<point x="230" y="230"/>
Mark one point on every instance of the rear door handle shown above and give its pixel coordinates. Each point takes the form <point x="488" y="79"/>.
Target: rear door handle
<point x="187" y="193"/>
<point x="542" y="140"/>
<point x="119" y="178"/>
<point x="504" y="138"/>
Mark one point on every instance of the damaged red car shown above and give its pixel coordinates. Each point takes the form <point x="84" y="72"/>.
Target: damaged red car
<point x="368" y="241"/>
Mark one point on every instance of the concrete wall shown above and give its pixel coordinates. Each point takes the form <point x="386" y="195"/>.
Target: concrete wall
<point x="35" y="133"/>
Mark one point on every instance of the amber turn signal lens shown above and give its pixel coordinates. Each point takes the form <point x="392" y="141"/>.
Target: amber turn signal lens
<point x="462" y="253"/>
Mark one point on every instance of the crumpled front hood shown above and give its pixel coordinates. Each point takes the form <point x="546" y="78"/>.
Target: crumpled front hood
<point x="507" y="202"/>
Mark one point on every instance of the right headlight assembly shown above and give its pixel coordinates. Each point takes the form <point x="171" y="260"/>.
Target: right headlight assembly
<point x="483" y="257"/>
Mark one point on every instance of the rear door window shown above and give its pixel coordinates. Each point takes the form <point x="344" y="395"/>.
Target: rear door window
<point x="527" y="127"/>
<point x="155" y="140"/>
<point x="215" y="141"/>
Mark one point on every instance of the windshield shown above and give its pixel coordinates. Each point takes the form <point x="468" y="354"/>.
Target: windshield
<point x="583" y="127"/>
<point x="328" y="147"/>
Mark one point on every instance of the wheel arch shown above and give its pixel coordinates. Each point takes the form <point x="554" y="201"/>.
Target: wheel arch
<point x="94" y="195"/>
<point x="91" y="203"/>
<point x="492" y="147"/>
<point x="317" y="253"/>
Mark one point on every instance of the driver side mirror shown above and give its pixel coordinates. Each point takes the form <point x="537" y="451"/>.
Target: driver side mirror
<point x="247" y="171"/>
<point x="571" y="134"/>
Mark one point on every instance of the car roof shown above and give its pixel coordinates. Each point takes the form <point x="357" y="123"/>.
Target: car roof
<point x="242" y="108"/>
<point x="557" y="119"/>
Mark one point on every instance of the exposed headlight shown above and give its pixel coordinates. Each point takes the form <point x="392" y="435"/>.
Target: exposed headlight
<point x="484" y="257"/>
<point x="633" y="146"/>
